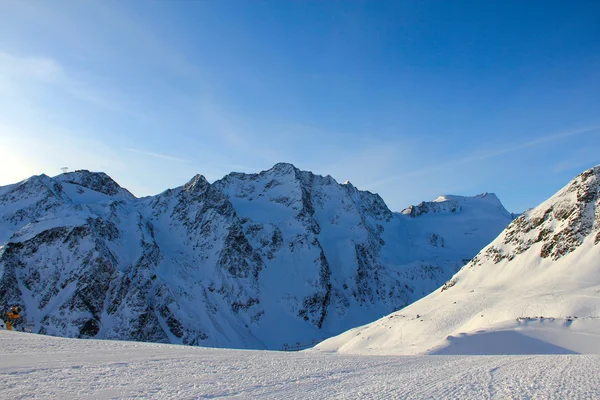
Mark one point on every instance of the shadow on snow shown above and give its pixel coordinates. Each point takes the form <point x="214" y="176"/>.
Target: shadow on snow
<point x="497" y="343"/>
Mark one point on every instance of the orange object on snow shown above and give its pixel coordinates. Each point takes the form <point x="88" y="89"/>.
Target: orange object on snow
<point x="12" y="314"/>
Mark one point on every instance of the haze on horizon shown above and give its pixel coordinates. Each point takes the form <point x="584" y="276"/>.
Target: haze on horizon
<point x="407" y="99"/>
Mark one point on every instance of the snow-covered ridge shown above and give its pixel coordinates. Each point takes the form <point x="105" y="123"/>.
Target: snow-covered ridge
<point x="536" y="284"/>
<point x="279" y="259"/>
<point x="454" y="203"/>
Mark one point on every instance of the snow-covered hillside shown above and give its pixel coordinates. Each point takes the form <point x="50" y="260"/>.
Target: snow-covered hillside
<point x="36" y="366"/>
<point x="279" y="259"/>
<point x="535" y="289"/>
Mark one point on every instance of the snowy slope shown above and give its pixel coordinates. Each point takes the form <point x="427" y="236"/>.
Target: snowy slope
<point x="35" y="366"/>
<point x="535" y="289"/>
<point x="279" y="259"/>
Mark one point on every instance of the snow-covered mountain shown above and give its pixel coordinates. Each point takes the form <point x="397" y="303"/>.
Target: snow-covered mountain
<point x="534" y="289"/>
<point x="278" y="259"/>
<point x="461" y="225"/>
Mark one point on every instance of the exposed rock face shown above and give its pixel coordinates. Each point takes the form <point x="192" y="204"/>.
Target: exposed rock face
<point x="250" y="261"/>
<point x="558" y="226"/>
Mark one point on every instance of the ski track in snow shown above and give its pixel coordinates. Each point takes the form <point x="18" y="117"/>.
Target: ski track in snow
<point x="36" y="366"/>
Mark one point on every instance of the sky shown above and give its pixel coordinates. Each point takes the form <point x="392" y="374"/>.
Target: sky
<point x="408" y="99"/>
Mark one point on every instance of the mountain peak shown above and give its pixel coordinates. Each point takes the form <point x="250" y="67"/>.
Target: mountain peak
<point x="283" y="168"/>
<point x="96" y="181"/>
<point x="198" y="181"/>
<point x="449" y="197"/>
<point x="450" y="203"/>
<point x="349" y="186"/>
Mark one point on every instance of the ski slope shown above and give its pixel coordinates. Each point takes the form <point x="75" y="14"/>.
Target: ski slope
<point x="37" y="366"/>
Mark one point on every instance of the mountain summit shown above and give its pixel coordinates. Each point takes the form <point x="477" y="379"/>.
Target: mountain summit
<point x="278" y="259"/>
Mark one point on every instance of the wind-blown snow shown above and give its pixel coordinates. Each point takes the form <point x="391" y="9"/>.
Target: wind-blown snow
<point x="37" y="366"/>
<point x="534" y="289"/>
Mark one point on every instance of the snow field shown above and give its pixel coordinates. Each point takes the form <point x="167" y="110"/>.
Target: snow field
<point x="36" y="366"/>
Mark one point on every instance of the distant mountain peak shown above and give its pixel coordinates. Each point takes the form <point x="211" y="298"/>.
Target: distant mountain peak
<point x="96" y="181"/>
<point x="449" y="197"/>
<point x="197" y="182"/>
<point x="450" y="203"/>
<point x="284" y="166"/>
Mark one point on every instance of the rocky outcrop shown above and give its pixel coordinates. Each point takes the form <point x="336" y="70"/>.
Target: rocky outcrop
<point x="558" y="226"/>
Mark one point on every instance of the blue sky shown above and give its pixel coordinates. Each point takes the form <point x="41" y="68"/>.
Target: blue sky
<point x="409" y="99"/>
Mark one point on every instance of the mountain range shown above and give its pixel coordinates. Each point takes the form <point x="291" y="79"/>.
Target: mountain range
<point x="281" y="259"/>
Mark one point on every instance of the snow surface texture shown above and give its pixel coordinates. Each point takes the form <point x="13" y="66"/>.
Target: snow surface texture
<point x="278" y="260"/>
<point x="36" y="366"/>
<point x="535" y="289"/>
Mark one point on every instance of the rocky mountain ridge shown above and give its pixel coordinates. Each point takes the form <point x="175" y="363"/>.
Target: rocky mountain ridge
<point x="269" y="260"/>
